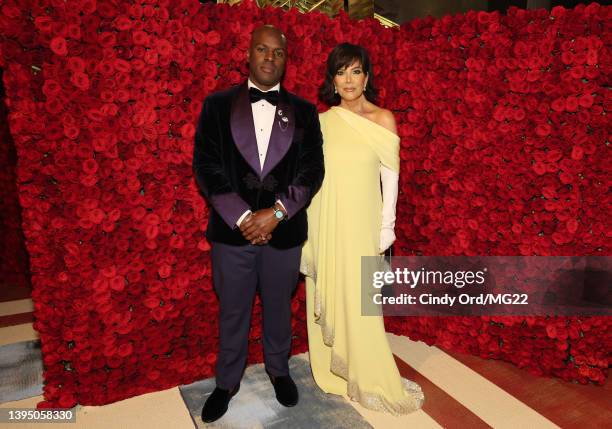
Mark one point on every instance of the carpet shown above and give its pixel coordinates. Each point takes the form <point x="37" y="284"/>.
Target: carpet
<point x="20" y="371"/>
<point x="255" y="405"/>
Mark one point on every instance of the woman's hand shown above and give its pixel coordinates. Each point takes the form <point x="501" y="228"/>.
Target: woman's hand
<point x="387" y="237"/>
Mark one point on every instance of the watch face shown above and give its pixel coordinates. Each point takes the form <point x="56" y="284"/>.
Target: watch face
<point x="278" y="214"/>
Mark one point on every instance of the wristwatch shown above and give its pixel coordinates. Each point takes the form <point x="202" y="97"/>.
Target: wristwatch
<point x="278" y="213"/>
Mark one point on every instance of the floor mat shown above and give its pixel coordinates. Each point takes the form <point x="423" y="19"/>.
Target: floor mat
<point x="20" y="371"/>
<point x="255" y="405"/>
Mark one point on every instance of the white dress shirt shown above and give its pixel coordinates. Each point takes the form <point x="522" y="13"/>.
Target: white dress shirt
<point x="263" y="118"/>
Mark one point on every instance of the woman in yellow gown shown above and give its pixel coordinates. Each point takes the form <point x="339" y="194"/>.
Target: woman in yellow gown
<point x="349" y="352"/>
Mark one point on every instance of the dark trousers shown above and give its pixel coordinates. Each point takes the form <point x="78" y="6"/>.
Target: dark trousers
<point x="237" y="272"/>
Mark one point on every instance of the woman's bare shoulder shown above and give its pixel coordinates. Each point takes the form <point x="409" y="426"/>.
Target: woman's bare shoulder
<point x="385" y="118"/>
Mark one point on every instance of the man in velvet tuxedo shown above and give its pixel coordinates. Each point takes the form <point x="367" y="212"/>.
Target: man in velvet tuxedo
<point x="258" y="160"/>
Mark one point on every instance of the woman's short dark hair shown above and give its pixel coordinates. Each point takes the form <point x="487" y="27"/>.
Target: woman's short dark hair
<point x="343" y="55"/>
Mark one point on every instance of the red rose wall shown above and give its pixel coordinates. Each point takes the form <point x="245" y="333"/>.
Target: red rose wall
<point x="505" y="151"/>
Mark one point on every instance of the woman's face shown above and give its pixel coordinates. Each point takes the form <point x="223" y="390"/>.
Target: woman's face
<point x="350" y="81"/>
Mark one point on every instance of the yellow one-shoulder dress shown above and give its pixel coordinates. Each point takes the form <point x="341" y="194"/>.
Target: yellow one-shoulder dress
<point x="349" y="353"/>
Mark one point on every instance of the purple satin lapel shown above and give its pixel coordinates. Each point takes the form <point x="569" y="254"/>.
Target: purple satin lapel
<point x="281" y="137"/>
<point x="243" y="129"/>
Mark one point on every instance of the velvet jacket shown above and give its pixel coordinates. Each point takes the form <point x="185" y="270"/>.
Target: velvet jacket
<point x="227" y="168"/>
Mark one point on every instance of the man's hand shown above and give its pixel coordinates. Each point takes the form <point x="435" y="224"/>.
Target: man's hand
<point x="257" y="227"/>
<point x="262" y="240"/>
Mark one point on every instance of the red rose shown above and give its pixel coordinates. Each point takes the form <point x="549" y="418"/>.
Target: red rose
<point x="151" y="231"/>
<point x="571" y="104"/>
<point x="539" y="168"/>
<point x="543" y="130"/>
<point x="577" y="153"/>
<point x="164" y="271"/>
<point x="140" y="37"/>
<point x="90" y="166"/>
<point x="107" y="39"/>
<point x="203" y="245"/>
<point x="158" y="313"/>
<point x="88" y="6"/>
<point x="572" y="226"/>
<point x="80" y="80"/>
<point x="212" y="38"/>
<point x="151" y="57"/>
<point x="67" y="400"/>
<point x="125" y="350"/>
<point x="43" y="23"/>
<point x="117" y="283"/>
<point x="558" y="105"/>
<point x="586" y="100"/>
<point x="51" y="88"/>
<point x="163" y="47"/>
<point x="59" y="46"/>
<point x="96" y="216"/>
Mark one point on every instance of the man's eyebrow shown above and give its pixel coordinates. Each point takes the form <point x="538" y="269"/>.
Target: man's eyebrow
<point x="266" y="46"/>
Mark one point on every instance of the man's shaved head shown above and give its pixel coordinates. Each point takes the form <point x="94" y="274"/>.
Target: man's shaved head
<point x="268" y="29"/>
<point x="267" y="56"/>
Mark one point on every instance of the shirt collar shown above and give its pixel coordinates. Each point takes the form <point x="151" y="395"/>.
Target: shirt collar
<point x="274" y="88"/>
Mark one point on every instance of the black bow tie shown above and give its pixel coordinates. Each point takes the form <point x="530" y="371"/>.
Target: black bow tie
<point x="270" y="96"/>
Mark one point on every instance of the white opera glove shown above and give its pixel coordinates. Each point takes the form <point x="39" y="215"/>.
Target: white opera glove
<point x="389" y="180"/>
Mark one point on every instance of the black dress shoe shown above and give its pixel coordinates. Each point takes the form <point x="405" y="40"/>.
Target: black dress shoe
<point x="285" y="389"/>
<point x="216" y="404"/>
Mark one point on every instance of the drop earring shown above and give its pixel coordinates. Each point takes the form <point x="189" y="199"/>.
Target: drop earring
<point x="335" y="90"/>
